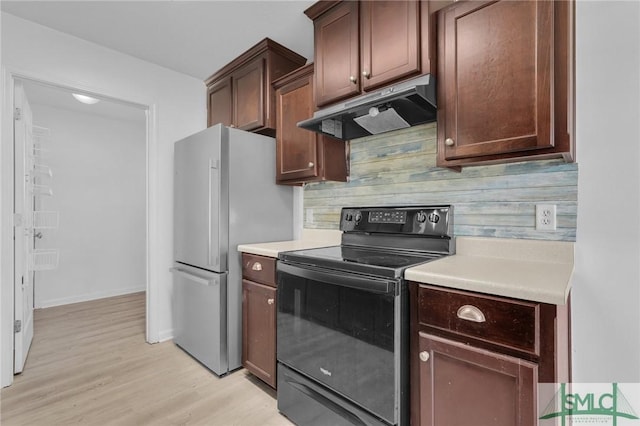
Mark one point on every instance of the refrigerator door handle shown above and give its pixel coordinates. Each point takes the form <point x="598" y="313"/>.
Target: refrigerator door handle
<point x="195" y="278"/>
<point x="213" y="170"/>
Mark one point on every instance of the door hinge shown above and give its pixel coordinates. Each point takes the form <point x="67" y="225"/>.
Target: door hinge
<point x="17" y="326"/>
<point x="17" y="114"/>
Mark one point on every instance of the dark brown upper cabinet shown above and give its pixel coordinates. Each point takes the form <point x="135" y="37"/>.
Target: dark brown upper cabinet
<point x="219" y="104"/>
<point x="337" y="59"/>
<point x="240" y="94"/>
<point x="390" y="41"/>
<point x="361" y="46"/>
<point x="249" y="107"/>
<point x="302" y="155"/>
<point x="505" y="81"/>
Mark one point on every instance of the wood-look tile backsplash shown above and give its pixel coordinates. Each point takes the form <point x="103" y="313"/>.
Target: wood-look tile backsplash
<point x="399" y="168"/>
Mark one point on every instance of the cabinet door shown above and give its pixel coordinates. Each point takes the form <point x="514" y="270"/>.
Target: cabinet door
<point x="219" y="103"/>
<point x="296" y="148"/>
<point x="259" y="330"/>
<point x="390" y="34"/>
<point x="336" y="37"/>
<point x="496" y="75"/>
<point x="463" y="385"/>
<point x="248" y="95"/>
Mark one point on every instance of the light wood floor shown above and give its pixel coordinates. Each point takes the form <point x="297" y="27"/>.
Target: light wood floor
<point x="89" y="365"/>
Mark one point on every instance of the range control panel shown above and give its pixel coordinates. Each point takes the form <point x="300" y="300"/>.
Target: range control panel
<point x="394" y="216"/>
<point x="421" y="220"/>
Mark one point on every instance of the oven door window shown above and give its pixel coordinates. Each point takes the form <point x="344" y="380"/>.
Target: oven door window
<point x="340" y="336"/>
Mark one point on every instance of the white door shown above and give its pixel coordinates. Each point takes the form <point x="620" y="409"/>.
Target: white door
<point x="24" y="238"/>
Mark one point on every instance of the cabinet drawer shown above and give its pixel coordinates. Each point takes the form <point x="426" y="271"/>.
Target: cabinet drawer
<point x="260" y="269"/>
<point x="496" y="320"/>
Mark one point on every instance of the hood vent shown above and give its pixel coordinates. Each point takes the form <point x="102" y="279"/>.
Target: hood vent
<point x="405" y="104"/>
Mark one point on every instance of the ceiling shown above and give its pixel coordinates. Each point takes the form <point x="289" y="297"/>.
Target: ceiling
<point x="196" y="38"/>
<point x="43" y="94"/>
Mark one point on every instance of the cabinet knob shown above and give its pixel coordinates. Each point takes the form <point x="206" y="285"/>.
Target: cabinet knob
<point x="310" y="164"/>
<point x="471" y="313"/>
<point x="270" y="301"/>
<point x="424" y="356"/>
<point x="257" y="266"/>
<point x="449" y="142"/>
<point x="366" y="74"/>
<point x="353" y="79"/>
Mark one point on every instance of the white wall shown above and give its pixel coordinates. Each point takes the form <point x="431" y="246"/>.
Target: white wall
<point x="99" y="166"/>
<point x="606" y="288"/>
<point x="178" y="109"/>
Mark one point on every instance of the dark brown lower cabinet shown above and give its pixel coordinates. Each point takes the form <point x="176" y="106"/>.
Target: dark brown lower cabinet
<point x="477" y="359"/>
<point x="259" y="330"/>
<point x="463" y="385"/>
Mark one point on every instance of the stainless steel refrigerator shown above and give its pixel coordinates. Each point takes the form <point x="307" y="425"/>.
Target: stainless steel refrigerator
<point x="224" y="195"/>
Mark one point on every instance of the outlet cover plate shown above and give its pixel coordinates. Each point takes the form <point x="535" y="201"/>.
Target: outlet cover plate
<point x="545" y="217"/>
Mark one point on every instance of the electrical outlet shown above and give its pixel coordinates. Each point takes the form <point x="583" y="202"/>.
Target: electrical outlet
<point x="545" y="217"/>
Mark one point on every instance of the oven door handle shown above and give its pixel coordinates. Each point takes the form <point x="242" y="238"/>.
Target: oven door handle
<point x="371" y="285"/>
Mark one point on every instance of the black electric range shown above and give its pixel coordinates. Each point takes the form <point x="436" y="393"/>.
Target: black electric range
<point x="384" y="241"/>
<point x="343" y="316"/>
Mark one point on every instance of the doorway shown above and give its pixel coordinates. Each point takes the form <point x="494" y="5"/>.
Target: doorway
<point x="92" y="178"/>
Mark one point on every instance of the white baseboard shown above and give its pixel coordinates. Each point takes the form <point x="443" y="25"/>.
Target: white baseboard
<point x="165" y="335"/>
<point x="89" y="296"/>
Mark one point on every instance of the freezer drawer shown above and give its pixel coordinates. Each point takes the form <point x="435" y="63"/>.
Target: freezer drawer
<point x="200" y="315"/>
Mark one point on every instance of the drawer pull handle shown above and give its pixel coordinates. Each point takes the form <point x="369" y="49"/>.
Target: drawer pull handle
<point x="471" y="313"/>
<point x="270" y="301"/>
<point x="257" y="267"/>
<point x="424" y="356"/>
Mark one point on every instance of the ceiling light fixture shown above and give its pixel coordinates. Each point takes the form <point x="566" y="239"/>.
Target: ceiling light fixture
<point x="85" y="99"/>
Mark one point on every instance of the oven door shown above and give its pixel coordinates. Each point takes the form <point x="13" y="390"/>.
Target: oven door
<point x="343" y="330"/>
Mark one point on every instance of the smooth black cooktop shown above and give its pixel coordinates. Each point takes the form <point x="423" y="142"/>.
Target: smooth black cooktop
<point x="384" y="263"/>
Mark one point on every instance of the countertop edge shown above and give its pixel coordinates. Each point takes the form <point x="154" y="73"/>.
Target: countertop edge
<point x="272" y="249"/>
<point x="462" y="273"/>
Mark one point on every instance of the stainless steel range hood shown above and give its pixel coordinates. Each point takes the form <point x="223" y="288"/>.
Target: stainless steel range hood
<point x="402" y="105"/>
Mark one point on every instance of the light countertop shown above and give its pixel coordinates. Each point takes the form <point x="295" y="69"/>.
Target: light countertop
<point x="534" y="270"/>
<point x="538" y="271"/>
<point x="311" y="238"/>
